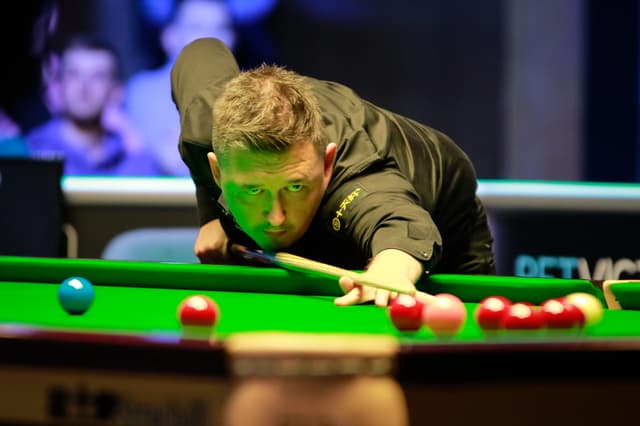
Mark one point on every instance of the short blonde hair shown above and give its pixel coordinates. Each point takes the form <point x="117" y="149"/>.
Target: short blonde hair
<point x="266" y="109"/>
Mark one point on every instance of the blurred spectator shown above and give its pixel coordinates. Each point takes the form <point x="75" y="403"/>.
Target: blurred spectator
<point x="88" y="130"/>
<point x="26" y="37"/>
<point x="12" y="143"/>
<point x="148" y="93"/>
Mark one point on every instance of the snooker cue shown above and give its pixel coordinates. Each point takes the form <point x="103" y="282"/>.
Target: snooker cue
<point x="299" y="263"/>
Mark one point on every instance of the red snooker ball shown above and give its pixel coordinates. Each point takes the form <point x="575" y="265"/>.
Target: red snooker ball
<point x="198" y="310"/>
<point x="559" y="314"/>
<point x="490" y="310"/>
<point x="522" y="316"/>
<point x="445" y="316"/>
<point x="405" y="312"/>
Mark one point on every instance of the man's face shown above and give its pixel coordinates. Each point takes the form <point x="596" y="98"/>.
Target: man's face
<point x="273" y="197"/>
<point x="86" y="82"/>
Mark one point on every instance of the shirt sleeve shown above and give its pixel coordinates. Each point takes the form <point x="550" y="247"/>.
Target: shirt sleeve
<point x="381" y="211"/>
<point x="207" y="192"/>
<point x="197" y="78"/>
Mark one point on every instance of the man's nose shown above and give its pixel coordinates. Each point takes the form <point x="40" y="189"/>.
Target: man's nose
<point x="276" y="214"/>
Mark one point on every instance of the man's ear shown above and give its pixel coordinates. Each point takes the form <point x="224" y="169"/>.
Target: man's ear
<point x="329" y="157"/>
<point x="215" y="167"/>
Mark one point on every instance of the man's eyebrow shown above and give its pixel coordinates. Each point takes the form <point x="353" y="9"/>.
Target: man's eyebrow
<point x="293" y="180"/>
<point x="248" y="185"/>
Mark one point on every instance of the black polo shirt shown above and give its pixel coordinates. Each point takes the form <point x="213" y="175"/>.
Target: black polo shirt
<point x="396" y="183"/>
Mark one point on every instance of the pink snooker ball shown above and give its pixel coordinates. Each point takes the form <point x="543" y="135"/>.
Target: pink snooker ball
<point x="445" y="316"/>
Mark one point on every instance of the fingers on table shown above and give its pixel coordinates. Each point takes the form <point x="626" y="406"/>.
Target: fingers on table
<point x="352" y="297"/>
<point x="382" y="297"/>
<point x="362" y="294"/>
<point x="347" y="284"/>
<point x="357" y="293"/>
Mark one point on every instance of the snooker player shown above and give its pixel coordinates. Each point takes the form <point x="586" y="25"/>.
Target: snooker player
<point x="284" y="162"/>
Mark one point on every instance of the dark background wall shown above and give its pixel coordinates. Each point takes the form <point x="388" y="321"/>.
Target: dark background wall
<point x="611" y="89"/>
<point x="437" y="62"/>
<point x="530" y="89"/>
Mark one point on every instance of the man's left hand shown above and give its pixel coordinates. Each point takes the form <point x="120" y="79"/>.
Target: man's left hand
<point x="389" y="265"/>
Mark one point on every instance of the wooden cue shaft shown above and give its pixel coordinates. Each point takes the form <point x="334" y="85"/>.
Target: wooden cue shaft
<point x="298" y="262"/>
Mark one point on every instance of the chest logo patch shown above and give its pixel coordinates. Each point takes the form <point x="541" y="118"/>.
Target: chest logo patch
<point x="336" y="224"/>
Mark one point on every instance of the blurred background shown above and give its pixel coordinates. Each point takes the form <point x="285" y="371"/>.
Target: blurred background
<point x="542" y="95"/>
<point x="530" y="89"/>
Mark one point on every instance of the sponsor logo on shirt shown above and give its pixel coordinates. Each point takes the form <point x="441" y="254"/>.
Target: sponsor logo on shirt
<point x="336" y="224"/>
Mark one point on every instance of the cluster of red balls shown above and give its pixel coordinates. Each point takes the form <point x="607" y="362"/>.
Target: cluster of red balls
<point x="574" y="311"/>
<point x="444" y="316"/>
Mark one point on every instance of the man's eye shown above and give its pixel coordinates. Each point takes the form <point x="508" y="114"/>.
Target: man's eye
<point x="253" y="191"/>
<point x="296" y="187"/>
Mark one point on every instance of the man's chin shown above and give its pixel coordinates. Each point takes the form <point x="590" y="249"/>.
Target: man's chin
<point x="273" y="247"/>
<point x="270" y="248"/>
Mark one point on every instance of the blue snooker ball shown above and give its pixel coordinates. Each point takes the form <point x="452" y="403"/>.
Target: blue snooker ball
<point x="76" y="295"/>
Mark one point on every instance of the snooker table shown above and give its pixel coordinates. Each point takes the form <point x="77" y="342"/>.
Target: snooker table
<point x="125" y="362"/>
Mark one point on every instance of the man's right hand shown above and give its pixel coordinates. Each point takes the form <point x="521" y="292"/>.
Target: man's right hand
<point x="212" y="244"/>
